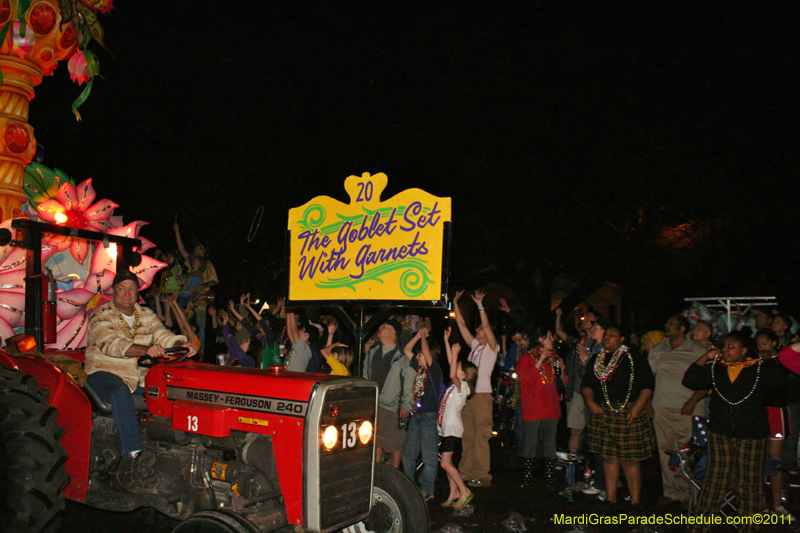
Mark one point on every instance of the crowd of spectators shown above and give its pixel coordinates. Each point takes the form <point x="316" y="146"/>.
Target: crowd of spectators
<point x="624" y="397"/>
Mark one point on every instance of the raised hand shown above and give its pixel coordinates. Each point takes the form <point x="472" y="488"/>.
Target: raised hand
<point x="456" y="349"/>
<point x="458" y="295"/>
<point x="504" y="306"/>
<point x="477" y="297"/>
<point x="447" y="332"/>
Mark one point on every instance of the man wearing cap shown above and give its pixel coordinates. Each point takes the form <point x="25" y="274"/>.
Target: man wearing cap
<point x="120" y="332"/>
<point x="387" y="365"/>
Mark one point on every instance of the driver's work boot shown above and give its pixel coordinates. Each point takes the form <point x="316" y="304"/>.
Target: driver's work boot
<point x="134" y="473"/>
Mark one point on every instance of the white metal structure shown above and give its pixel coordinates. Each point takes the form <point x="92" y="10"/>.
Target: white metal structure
<point x="741" y="303"/>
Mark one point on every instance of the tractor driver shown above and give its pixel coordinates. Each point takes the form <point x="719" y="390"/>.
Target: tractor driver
<point x="120" y="332"/>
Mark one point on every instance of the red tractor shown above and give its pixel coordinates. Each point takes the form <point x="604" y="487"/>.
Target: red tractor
<point x="234" y="450"/>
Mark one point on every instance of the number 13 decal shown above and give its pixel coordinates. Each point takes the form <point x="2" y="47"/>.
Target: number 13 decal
<point x="348" y="435"/>
<point x="191" y="423"/>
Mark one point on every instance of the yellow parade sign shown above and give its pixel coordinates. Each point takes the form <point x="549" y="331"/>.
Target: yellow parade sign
<point x="393" y="250"/>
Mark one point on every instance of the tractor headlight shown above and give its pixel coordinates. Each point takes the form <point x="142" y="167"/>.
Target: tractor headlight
<point x="329" y="437"/>
<point x="365" y="432"/>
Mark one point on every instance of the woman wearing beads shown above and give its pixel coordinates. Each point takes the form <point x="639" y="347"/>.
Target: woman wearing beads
<point x="541" y="408"/>
<point x="742" y="385"/>
<point x="449" y="420"/>
<point x="617" y="385"/>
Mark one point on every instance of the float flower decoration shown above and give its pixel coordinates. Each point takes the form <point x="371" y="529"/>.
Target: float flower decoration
<point x="84" y="68"/>
<point x="74" y="306"/>
<point x="80" y="25"/>
<point x="74" y="207"/>
<point x="12" y="284"/>
<point x="52" y="194"/>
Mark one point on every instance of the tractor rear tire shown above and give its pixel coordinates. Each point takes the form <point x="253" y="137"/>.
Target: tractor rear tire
<point x="32" y="477"/>
<point x="397" y="505"/>
<point x="216" y="522"/>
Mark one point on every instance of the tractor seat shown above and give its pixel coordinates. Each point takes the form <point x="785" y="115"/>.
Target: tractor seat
<point x="103" y="407"/>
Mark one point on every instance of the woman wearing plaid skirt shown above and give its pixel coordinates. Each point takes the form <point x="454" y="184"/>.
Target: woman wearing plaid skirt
<point x="742" y="386"/>
<point x="617" y="385"/>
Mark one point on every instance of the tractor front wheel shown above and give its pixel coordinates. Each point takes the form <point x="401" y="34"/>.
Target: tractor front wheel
<point x="32" y="477"/>
<point x="397" y="505"/>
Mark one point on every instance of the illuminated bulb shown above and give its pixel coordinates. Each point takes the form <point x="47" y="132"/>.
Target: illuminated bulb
<point x="112" y="250"/>
<point x="61" y="218"/>
<point x="329" y="437"/>
<point x="365" y="432"/>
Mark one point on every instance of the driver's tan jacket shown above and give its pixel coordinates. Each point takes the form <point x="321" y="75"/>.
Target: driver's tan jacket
<point x="108" y="341"/>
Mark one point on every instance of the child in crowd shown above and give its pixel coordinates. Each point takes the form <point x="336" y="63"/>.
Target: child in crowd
<point x="241" y="352"/>
<point x="338" y="356"/>
<point x="464" y="378"/>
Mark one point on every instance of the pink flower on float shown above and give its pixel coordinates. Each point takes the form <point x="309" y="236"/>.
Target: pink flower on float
<point x="106" y="258"/>
<point x="75" y="306"/>
<point x="73" y="207"/>
<point x="78" y="68"/>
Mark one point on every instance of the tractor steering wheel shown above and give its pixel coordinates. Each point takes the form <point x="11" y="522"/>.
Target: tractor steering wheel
<point x="171" y="355"/>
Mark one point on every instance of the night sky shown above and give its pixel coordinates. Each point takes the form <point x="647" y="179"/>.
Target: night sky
<point x="652" y="144"/>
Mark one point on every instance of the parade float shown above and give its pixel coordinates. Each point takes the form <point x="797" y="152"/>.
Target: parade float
<point x="35" y="37"/>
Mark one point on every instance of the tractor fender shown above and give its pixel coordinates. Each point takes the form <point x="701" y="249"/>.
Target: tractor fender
<point x="7" y="361"/>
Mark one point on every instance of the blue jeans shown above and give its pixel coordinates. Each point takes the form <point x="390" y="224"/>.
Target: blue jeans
<point x="519" y="429"/>
<point x="422" y="437"/>
<point x="113" y="390"/>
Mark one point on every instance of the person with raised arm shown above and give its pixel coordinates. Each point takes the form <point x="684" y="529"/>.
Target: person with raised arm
<point x="477" y="414"/>
<point x="241" y="351"/>
<point x="186" y="330"/>
<point x="337" y="355"/>
<point x="463" y="377"/>
<point x="422" y="436"/>
<point x="304" y="356"/>
<point x="386" y="364"/>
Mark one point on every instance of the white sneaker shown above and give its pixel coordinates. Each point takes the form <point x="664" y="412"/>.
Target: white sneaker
<point x="601" y="496"/>
<point x="590" y="490"/>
